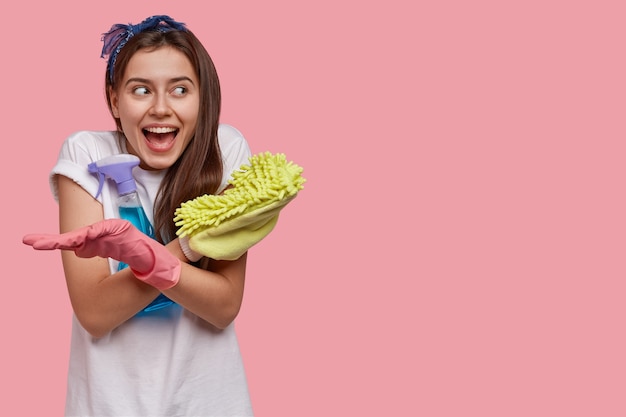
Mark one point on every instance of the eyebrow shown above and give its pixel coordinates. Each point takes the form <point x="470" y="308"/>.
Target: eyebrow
<point x="146" y="81"/>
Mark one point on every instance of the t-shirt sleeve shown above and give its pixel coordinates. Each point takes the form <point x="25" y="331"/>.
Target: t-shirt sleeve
<point x="77" y="152"/>
<point x="235" y="151"/>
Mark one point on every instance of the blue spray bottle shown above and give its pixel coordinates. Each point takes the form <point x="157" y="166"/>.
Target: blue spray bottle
<point x="119" y="168"/>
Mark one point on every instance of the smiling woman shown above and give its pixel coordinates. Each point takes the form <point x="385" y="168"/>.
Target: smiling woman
<point x="157" y="105"/>
<point x="182" y="359"/>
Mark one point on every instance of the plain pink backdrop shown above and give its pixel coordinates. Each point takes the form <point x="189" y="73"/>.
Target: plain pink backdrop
<point x="458" y="249"/>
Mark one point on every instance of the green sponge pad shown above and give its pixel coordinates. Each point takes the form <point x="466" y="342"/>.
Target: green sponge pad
<point x="225" y="226"/>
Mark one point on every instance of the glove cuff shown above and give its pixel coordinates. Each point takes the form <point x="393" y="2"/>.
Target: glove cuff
<point x="190" y="254"/>
<point x="162" y="278"/>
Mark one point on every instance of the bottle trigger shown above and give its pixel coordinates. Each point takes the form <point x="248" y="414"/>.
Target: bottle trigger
<point x="93" y="169"/>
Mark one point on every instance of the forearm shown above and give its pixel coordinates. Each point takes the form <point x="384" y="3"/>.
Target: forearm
<point x="214" y="295"/>
<point x="102" y="301"/>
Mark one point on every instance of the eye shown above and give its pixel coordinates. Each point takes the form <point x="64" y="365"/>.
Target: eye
<point x="140" y="91"/>
<point x="179" y="91"/>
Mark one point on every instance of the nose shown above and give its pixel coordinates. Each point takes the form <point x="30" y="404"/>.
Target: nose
<point x="160" y="106"/>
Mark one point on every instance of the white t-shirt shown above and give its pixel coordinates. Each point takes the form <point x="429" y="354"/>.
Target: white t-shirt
<point x="168" y="362"/>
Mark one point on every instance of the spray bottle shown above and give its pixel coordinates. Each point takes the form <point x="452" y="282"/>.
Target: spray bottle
<point x="119" y="168"/>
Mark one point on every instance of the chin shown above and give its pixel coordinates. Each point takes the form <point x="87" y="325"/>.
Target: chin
<point x="157" y="163"/>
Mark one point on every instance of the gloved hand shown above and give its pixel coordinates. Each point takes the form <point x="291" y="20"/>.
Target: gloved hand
<point x="149" y="260"/>
<point x="225" y="226"/>
<point x="233" y="238"/>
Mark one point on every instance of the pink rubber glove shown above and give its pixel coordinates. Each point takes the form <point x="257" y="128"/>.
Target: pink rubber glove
<point x="149" y="260"/>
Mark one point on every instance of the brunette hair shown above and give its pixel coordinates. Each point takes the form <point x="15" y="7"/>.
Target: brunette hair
<point x="199" y="169"/>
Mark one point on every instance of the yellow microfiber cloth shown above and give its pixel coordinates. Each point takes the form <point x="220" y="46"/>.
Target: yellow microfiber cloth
<point x="225" y="226"/>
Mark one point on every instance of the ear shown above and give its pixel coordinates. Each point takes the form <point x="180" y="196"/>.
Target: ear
<point x="114" y="103"/>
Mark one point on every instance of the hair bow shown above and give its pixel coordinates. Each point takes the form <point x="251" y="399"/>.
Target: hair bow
<point x="119" y="34"/>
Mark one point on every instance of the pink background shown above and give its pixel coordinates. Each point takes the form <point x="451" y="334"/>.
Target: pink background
<point x="459" y="247"/>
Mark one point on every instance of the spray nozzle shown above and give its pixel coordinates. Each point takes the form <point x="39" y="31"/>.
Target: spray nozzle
<point x="117" y="167"/>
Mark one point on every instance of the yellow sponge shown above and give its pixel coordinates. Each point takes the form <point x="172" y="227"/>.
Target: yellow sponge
<point x="225" y="226"/>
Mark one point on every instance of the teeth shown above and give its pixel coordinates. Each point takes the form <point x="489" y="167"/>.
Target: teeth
<point x="160" y="129"/>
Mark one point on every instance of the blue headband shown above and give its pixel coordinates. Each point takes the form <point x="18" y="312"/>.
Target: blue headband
<point x="115" y="39"/>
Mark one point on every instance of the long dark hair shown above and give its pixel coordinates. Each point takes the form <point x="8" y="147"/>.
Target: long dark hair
<point x="199" y="169"/>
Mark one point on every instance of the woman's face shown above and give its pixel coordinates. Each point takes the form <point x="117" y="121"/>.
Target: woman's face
<point x="157" y="102"/>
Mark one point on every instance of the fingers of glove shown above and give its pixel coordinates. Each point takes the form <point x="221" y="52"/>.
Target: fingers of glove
<point x="43" y="242"/>
<point x="85" y="240"/>
<point x="50" y="242"/>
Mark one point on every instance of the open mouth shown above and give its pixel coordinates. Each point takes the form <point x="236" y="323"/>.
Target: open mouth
<point x="160" y="138"/>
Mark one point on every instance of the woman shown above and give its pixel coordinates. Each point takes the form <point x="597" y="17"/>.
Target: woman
<point x="163" y="92"/>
